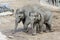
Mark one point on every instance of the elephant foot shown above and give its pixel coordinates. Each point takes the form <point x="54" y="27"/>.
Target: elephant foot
<point x="33" y="34"/>
<point x="14" y="32"/>
<point x="40" y="32"/>
<point x="25" y="30"/>
<point x="51" y="30"/>
<point x="37" y="31"/>
<point x="46" y="31"/>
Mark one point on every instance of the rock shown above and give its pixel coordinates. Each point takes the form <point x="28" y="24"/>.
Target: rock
<point x="3" y="37"/>
<point x="6" y="13"/>
<point x="11" y="37"/>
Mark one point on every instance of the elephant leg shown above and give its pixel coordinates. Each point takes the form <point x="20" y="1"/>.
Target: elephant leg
<point x="16" y="24"/>
<point x="44" y="28"/>
<point x="26" y="26"/>
<point x="41" y="22"/>
<point x="48" y="26"/>
<point x="37" y="28"/>
<point x="41" y="29"/>
<point x="48" y="23"/>
<point x="34" y="29"/>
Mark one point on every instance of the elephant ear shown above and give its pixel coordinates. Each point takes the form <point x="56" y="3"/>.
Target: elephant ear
<point x="39" y="16"/>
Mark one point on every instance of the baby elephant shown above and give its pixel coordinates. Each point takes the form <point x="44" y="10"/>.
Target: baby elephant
<point x="22" y="14"/>
<point x="35" y="18"/>
<point x="45" y="17"/>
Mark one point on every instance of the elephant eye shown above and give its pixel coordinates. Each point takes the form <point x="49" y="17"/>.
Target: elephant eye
<point x="19" y="16"/>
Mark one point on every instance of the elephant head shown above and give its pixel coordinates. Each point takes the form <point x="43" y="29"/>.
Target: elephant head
<point x="34" y="16"/>
<point x="19" y="15"/>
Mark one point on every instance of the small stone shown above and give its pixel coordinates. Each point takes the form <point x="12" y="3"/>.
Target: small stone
<point x="11" y="37"/>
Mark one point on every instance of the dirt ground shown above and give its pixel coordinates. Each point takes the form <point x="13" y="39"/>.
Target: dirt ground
<point x="7" y="25"/>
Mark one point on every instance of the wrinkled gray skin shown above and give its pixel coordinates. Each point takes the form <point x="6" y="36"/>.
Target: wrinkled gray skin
<point x="23" y="15"/>
<point x="46" y="17"/>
